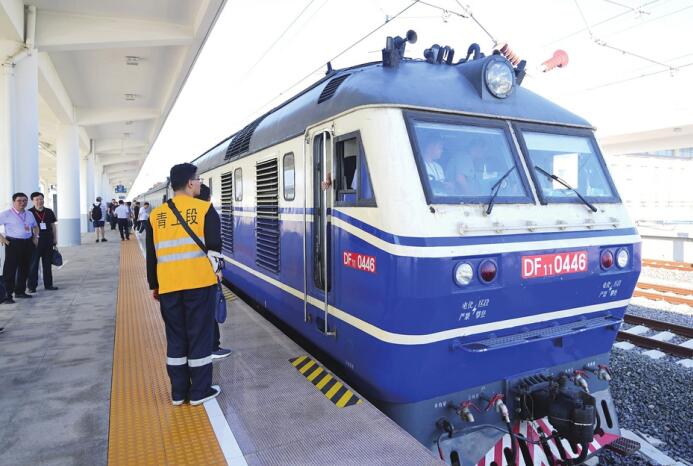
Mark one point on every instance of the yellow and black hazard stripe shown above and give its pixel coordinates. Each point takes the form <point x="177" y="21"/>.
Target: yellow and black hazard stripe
<point x="228" y="294"/>
<point x="327" y="383"/>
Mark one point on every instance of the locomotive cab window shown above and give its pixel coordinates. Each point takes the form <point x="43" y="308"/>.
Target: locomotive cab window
<point x="352" y="180"/>
<point x="465" y="160"/>
<point x="238" y="184"/>
<point x="570" y="155"/>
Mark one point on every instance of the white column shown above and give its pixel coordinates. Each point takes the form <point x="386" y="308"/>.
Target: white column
<point x="68" y="185"/>
<point x="27" y="124"/>
<point x="83" y="195"/>
<point x="7" y="177"/>
<point x="91" y="181"/>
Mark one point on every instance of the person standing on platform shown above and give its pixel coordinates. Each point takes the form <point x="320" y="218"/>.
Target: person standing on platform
<point x="20" y="239"/>
<point x="122" y="212"/>
<point x="217" y="351"/>
<point x="98" y="216"/>
<point x="184" y="283"/>
<point x="48" y="239"/>
<point x="143" y="216"/>
<point x="136" y="216"/>
<point x="112" y="217"/>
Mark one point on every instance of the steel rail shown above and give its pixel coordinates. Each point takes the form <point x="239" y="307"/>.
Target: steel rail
<point x="659" y="325"/>
<point x="665" y="288"/>
<point x="663" y="297"/>
<point x="668" y="264"/>
<point x="644" y="342"/>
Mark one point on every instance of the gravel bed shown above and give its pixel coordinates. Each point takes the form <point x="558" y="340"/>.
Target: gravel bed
<point x="661" y="314"/>
<point x="655" y="398"/>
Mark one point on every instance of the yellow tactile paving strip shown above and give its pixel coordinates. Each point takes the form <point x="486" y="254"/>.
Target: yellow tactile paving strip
<point x="144" y="427"/>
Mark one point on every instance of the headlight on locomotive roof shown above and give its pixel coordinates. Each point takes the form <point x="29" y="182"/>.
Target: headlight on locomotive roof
<point x="464" y="273"/>
<point x="622" y="258"/>
<point x="499" y="77"/>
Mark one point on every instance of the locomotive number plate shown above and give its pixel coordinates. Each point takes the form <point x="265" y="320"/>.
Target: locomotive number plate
<point x="547" y="265"/>
<point x="360" y="262"/>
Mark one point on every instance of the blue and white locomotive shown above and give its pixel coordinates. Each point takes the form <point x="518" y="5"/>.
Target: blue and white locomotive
<point x="454" y="241"/>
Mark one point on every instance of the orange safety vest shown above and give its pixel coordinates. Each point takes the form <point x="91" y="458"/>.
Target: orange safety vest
<point x="181" y="264"/>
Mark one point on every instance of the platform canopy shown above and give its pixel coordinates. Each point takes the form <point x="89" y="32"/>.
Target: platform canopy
<point x="112" y="68"/>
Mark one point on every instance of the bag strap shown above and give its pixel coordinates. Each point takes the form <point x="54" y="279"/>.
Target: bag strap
<point x="185" y="225"/>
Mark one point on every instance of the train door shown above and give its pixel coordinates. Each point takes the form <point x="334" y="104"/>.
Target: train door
<point x="318" y="238"/>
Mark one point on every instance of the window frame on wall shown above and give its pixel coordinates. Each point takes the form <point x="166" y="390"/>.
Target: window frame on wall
<point x="361" y="163"/>
<point x="238" y="184"/>
<point x="284" y="171"/>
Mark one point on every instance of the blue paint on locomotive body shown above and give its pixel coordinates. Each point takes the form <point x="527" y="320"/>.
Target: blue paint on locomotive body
<point x="417" y="296"/>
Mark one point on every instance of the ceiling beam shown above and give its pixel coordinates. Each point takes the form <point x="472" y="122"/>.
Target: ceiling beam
<point x="113" y="159"/>
<point x="53" y="91"/>
<point x="12" y="20"/>
<point x="56" y="31"/>
<point x="116" y="146"/>
<point x="100" y="116"/>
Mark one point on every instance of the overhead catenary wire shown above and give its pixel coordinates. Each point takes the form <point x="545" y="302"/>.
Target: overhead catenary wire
<point x="604" y="44"/>
<point x="317" y="69"/>
<point x="276" y="41"/>
<point x="600" y="23"/>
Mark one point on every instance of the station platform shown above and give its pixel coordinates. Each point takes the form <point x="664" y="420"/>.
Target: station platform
<point x="83" y="381"/>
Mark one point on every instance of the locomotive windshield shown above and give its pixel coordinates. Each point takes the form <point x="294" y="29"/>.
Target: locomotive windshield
<point x="467" y="162"/>
<point x="571" y="158"/>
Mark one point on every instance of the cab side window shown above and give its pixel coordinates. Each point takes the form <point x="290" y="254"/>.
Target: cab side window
<point x="352" y="183"/>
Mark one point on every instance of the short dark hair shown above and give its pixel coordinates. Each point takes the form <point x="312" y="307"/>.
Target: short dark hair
<point x="205" y="193"/>
<point x="98" y="199"/>
<point x="36" y="194"/>
<point x="16" y="195"/>
<point x="181" y="174"/>
<point x="120" y="202"/>
<point x="146" y="203"/>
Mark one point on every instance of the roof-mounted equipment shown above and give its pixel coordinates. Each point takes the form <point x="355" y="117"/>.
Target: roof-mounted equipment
<point x="394" y="49"/>
<point x="437" y="54"/>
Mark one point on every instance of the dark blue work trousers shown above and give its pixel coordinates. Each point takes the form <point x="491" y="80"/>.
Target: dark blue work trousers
<point x="189" y="319"/>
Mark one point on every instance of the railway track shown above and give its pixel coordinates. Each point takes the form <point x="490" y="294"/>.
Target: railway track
<point x="673" y="349"/>
<point x="685" y="295"/>
<point x="685" y="266"/>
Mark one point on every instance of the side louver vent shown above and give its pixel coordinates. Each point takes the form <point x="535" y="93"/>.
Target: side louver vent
<point x="331" y="88"/>
<point x="267" y="228"/>
<point x="240" y="143"/>
<point x="227" y="212"/>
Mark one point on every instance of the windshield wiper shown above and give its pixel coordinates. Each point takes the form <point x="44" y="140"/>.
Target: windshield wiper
<point x="495" y="189"/>
<point x="554" y="177"/>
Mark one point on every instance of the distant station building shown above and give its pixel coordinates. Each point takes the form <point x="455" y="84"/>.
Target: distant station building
<point x="652" y="170"/>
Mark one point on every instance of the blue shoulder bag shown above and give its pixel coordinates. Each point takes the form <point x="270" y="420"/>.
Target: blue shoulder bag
<point x="220" y="300"/>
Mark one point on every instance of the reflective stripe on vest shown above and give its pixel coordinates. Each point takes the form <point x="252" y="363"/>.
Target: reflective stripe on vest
<point x="176" y="361"/>
<point x="172" y="243"/>
<point x="181" y="256"/>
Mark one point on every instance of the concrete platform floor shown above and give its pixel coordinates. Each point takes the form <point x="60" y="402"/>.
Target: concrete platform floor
<point x="56" y="358"/>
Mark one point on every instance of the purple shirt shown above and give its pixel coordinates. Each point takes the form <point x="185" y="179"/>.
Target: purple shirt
<point x="18" y="225"/>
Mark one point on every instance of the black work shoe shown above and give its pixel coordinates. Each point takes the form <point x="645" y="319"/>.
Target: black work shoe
<point x="97" y="240"/>
<point x="51" y="288"/>
<point x="7" y="301"/>
<point x="22" y="295"/>
<point x="104" y="240"/>
<point x="214" y="392"/>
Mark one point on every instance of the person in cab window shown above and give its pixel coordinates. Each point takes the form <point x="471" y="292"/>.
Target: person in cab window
<point x="470" y="170"/>
<point x="432" y="152"/>
<point x="184" y="282"/>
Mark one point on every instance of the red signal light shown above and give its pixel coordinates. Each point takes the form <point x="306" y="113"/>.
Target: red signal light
<point x="607" y="259"/>
<point x="487" y="271"/>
